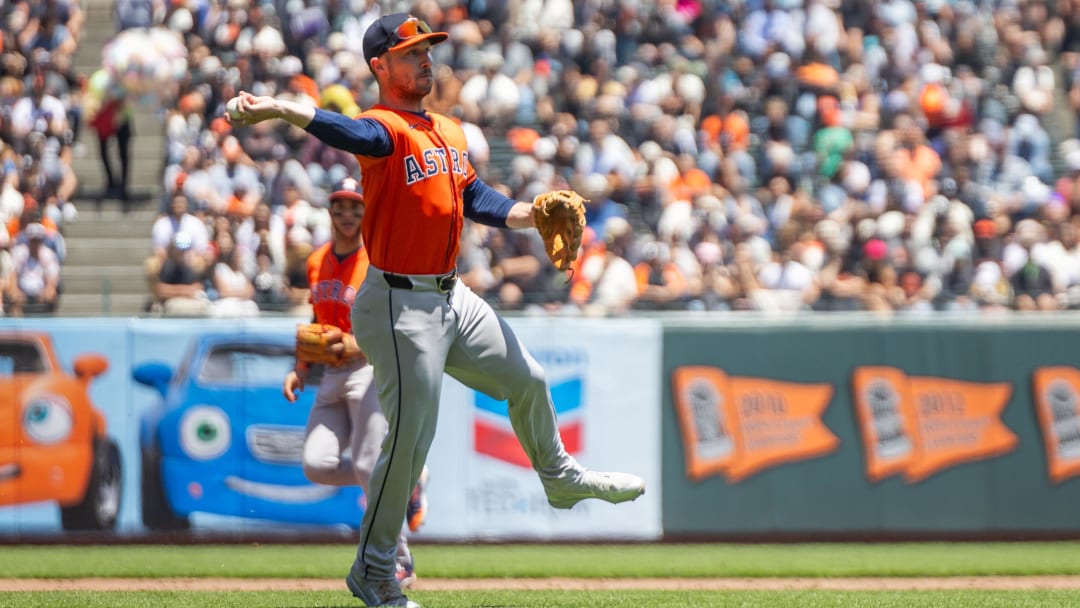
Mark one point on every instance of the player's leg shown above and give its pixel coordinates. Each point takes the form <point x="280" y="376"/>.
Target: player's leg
<point x="405" y="335"/>
<point x="367" y="421"/>
<point x="326" y="439"/>
<point x="489" y="357"/>
<point x="368" y="431"/>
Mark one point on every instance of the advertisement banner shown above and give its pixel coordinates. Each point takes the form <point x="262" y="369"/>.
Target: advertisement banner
<point x="605" y="386"/>
<point x="154" y="425"/>
<point x="66" y="433"/>
<point x="140" y="425"/>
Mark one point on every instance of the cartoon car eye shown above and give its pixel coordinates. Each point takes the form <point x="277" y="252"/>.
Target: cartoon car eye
<point x="47" y="419"/>
<point x="205" y="432"/>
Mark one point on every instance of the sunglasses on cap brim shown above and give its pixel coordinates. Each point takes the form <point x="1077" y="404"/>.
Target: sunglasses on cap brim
<point x="409" y="29"/>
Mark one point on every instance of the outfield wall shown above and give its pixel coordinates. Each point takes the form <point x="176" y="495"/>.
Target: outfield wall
<point x="849" y="425"/>
<point x="830" y="426"/>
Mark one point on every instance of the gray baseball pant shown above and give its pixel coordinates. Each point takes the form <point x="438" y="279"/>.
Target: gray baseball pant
<point x="411" y="336"/>
<point x="345" y="430"/>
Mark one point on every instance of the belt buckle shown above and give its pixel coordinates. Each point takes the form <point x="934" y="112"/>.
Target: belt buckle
<point x="446" y="282"/>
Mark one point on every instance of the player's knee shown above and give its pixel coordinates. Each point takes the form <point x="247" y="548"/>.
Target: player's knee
<point x="534" y="380"/>
<point x="322" y="470"/>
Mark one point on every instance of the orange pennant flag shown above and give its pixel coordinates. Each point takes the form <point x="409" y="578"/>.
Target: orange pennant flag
<point x="700" y="396"/>
<point x="778" y="422"/>
<point x="740" y="426"/>
<point x="883" y="409"/>
<point x="958" y="422"/>
<point x="918" y="426"/>
<point x="1057" y="404"/>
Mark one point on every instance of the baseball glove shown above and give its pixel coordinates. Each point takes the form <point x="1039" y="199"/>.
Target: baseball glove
<point x="320" y="343"/>
<point x="559" y="216"/>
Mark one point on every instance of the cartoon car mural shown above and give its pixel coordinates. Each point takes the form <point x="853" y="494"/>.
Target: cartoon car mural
<point x="223" y="440"/>
<point x="53" y="442"/>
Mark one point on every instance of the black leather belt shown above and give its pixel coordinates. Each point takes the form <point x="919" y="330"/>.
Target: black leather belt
<point x="444" y="283"/>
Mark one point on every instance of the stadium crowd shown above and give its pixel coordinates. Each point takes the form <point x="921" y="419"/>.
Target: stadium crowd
<point x="40" y="116"/>
<point x="896" y="156"/>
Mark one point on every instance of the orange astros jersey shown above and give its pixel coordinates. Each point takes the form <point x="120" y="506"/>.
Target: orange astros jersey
<point x="413" y="197"/>
<point x="334" y="284"/>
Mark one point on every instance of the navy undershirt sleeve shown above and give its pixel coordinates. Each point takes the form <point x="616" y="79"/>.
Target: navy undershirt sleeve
<point x="485" y="205"/>
<point x="365" y="136"/>
<point x="368" y="137"/>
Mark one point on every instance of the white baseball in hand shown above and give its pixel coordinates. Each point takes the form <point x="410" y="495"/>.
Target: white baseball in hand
<point x="233" y="108"/>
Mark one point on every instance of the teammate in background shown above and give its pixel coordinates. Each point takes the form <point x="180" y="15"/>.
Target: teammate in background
<point x="418" y="320"/>
<point x="346" y="418"/>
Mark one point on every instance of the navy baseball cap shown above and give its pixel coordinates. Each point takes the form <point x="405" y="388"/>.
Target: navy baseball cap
<point x="397" y="31"/>
<point x="347" y="188"/>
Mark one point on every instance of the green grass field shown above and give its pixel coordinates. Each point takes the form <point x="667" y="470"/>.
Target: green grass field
<point x="816" y="561"/>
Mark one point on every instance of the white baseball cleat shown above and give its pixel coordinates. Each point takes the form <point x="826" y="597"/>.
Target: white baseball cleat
<point x="376" y="594"/>
<point x="566" y="492"/>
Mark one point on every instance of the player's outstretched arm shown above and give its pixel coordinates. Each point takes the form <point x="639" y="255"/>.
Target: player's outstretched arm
<point x="250" y="109"/>
<point x="361" y="136"/>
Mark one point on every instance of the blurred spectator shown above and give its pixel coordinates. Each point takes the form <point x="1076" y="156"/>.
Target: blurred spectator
<point x="134" y="13"/>
<point x="271" y="292"/>
<point x="302" y="219"/>
<point x="522" y="275"/>
<point x="660" y="283"/>
<point x="179" y="289"/>
<point x="490" y="97"/>
<point x="235" y="180"/>
<point x="180" y="220"/>
<point x="40" y="113"/>
<point x="263" y="234"/>
<point x="233" y="294"/>
<point x="474" y="262"/>
<point x="297" y="249"/>
<point x="600" y="206"/>
<point x="34" y="284"/>
<point x="32" y="214"/>
<point x="113" y="121"/>
<point x="609" y="284"/>
<point x="1032" y="284"/>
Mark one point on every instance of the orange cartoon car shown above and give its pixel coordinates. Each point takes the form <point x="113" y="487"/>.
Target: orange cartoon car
<point x="53" y="445"/>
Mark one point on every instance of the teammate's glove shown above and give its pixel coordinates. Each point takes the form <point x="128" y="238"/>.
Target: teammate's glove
<point x="325" y="344"/>
<point x="559" y="216"/>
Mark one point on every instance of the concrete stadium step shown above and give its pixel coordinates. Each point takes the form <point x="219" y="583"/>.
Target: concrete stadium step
<point x="101" y="304"/>
<point x="110" y="223"/>
<point x="145" y="171"/>
<point x="98" y="28"/>
<point x="146" y="144"/>
<point x="108" y="252"/>
<point x="99" y="279"/>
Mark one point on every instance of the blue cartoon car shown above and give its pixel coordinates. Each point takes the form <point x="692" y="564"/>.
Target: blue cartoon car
<point x="223" y="440"/>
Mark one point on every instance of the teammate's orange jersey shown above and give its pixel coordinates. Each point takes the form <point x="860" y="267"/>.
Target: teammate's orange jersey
<point x="413" y="197"/>
<point x="334" y="284"/>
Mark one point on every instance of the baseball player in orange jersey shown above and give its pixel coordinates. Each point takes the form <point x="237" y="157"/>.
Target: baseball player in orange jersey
<point x="346" y="418"/>
<point x="418" y="320"/>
